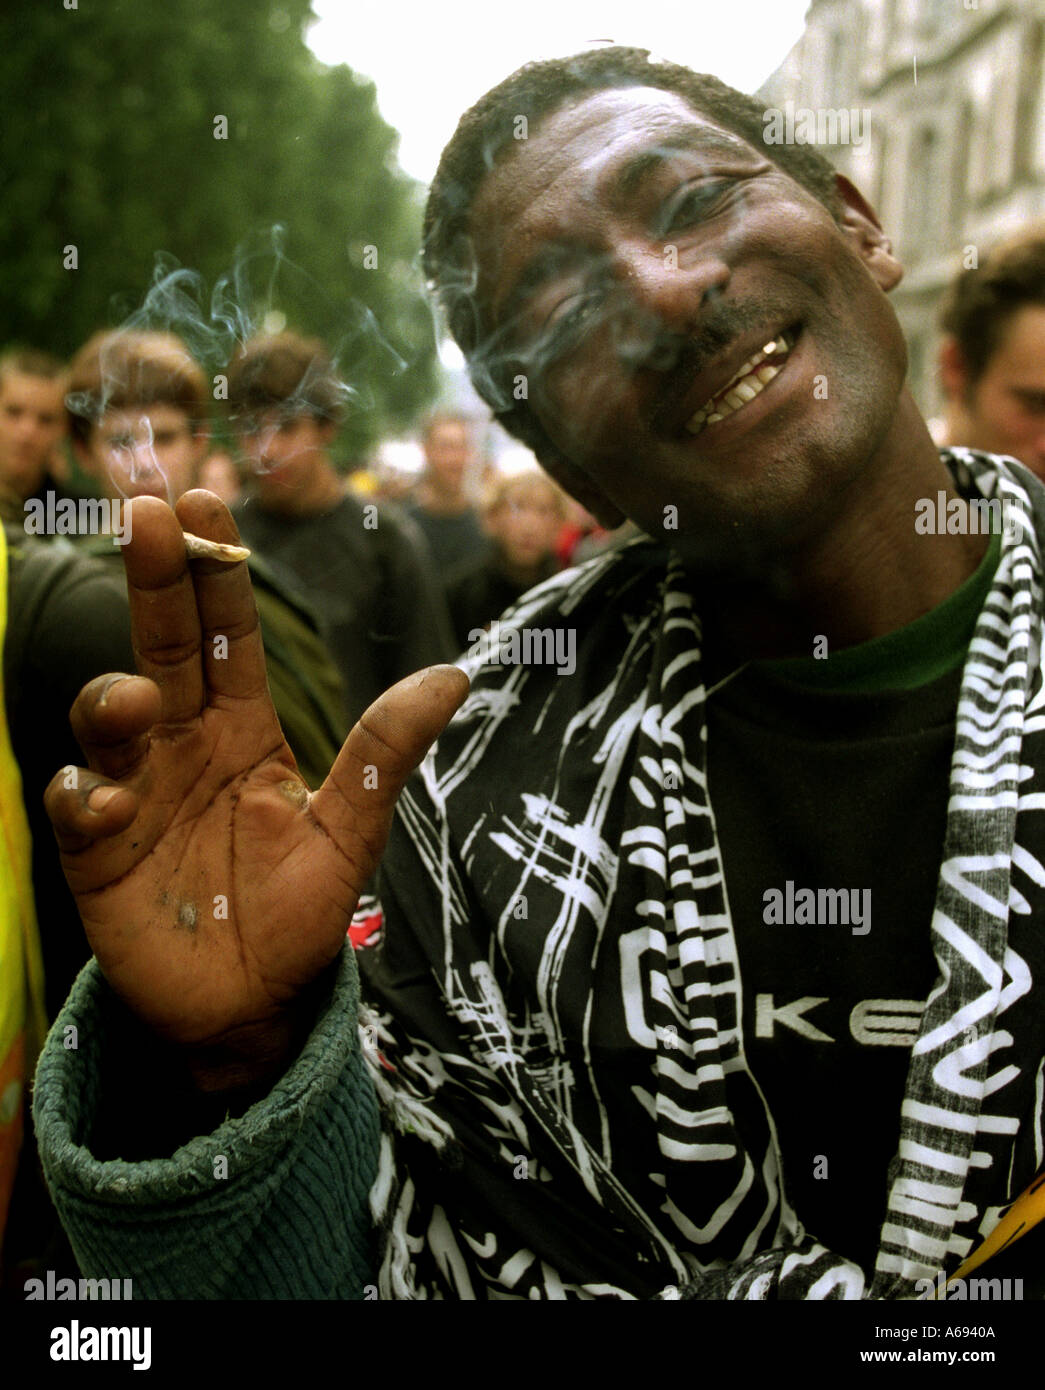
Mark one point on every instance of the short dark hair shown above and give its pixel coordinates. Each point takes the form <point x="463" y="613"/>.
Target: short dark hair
<point x="29" y="361"/>
<point x="288" y="372"/>
<point x="980" y="301"/>
<point x="535" y="91"/>
<point x="117" y="369"/>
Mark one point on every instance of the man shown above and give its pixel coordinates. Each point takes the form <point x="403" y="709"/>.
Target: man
<point x="659" y="934"/>
<point x="357" y="565"/>
<point x="992" y="358"/>
<point x="441" y="505"/>
<point x="32" y="423"/>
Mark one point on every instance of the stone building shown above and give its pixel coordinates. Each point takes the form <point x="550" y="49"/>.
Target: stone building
<point x="936" y="110"/>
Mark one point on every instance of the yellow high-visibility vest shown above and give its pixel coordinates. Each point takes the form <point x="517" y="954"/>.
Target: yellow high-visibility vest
<point x="23" y="1017"/>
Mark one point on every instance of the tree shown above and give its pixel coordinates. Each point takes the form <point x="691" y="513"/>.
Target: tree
<point x="208" y="138"/>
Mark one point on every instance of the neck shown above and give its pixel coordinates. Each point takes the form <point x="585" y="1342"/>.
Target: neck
<point x="957" y="426"/>
<point x="522" y="574"/>
<point x="865" y="574"/>
<point x="441" y="501"/>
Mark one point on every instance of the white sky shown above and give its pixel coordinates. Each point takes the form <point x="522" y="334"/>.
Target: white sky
<point x="430" y="61"/>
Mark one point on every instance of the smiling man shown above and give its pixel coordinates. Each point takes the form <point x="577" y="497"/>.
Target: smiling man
<point x="707" y="969"/>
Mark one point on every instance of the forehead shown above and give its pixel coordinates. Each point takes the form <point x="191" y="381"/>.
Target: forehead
<point x="134" y="419"/>
<point x="38" y="391"/>
<point x="588" y="152"/>
<point x="1023" y="341"/>
<point x="447" y="431"/>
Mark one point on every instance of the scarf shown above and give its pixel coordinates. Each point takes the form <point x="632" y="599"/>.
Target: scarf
<point x="554" y="885"/>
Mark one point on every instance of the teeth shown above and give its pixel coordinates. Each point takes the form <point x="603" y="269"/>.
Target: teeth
<point x="737" y="392"/>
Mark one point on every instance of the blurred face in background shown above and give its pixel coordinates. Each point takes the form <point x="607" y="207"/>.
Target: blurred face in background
<point x="448" y="453"/>
<point x="144" y="451"/>
<point x="526" y="521"/>
<point x="1004" y="411"/>
<point x="287" y="454"/>
<point x="32" y="425"/>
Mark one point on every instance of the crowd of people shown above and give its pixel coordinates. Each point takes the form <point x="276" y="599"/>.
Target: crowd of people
<point x="355" y="592"/>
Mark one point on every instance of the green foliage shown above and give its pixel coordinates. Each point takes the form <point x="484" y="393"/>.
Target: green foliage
<point x="109" y="126"/>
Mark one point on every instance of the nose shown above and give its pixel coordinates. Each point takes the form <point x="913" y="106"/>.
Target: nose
<point x="260" y="444"/>
<point x="666" y="301"/>
<point x="143" y="456"/>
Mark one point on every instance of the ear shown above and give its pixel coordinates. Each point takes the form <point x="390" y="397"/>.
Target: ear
<point x="860" y="223"/>
<point x="954" y="374"/>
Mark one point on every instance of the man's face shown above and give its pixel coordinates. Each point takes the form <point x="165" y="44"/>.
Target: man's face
<point x="448" y="453"/>
<point x="32" y="424"/>
<point x="144" y="451"/>
<point x="1006" y="407"/>
<point x="285" y="453"/>
<point x="633" y="259"/>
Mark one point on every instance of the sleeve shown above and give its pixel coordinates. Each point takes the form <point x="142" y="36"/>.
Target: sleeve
<point x="272" y="1204"/>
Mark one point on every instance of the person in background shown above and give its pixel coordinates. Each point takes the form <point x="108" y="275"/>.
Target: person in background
<point x="522" y="519"/>
<point x="65" y="621"/>
<point x="32" y="427"/>
<point x="219" y="474"/>
<point x="441" y="505"/>
<point x="992" y="358"/>
<point x="362" y="569"/>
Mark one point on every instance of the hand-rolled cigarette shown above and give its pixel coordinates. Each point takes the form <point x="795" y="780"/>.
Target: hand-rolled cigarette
<point x="199" y="549"/>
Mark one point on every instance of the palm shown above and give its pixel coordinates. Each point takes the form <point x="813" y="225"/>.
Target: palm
<point x="222" y="888"/>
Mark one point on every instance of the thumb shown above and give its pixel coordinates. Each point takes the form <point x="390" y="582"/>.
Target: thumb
<point x="355" y="803"/>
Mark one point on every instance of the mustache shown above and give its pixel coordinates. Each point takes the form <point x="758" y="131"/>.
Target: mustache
<point x="679" y="357"/>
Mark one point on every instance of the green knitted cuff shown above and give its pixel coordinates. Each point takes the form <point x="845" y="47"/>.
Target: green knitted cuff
<point x="270" y="1205"/>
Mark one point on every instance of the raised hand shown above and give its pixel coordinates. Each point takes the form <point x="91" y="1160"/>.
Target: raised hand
<point x="213" y="887"/>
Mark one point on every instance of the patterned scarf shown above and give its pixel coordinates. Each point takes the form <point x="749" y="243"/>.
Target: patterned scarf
<point x="555" y="1021"/>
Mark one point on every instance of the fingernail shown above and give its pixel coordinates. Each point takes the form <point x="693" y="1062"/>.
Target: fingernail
<point x="104" y="698"/>
<point x="100" y="798"/>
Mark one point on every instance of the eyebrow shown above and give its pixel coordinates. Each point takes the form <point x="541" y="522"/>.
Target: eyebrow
<point x="689" y="140"/>
<point x="623" y="183"/>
